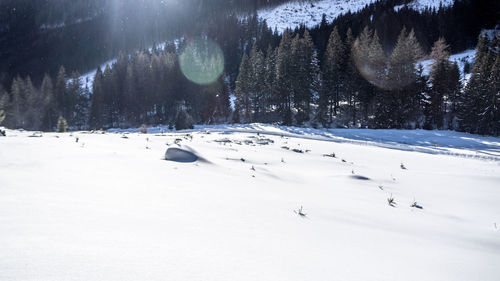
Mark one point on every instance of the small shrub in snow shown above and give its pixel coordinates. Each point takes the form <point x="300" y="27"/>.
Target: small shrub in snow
<point x="183" y="121"/>
<point x="300" y="212"/>
<point x="416" y="205"/>
<point x="391" y="201"/>
<point x="62" y="125"/>
<point x="2" y="116"/>
<point x="143" y="129"/>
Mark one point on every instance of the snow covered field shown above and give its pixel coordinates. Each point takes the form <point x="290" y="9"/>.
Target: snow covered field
<point x="109" y="207"/>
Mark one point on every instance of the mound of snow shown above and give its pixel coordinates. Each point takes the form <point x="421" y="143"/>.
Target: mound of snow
<point x="180" y="155"/>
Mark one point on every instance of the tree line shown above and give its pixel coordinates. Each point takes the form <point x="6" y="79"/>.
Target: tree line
<point x="354" y="84"/>
<point x="358" y="85"/>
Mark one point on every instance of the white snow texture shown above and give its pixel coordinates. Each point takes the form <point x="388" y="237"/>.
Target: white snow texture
<point x="110" y="207"/>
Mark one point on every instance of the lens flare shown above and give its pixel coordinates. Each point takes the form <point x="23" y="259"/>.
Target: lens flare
<point x="202" y="61"/>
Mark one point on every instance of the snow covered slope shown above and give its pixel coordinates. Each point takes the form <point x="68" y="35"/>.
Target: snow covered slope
<point x="421" y="5"/>
<point x="108" y="207"/>
<point x="293" y="14"/>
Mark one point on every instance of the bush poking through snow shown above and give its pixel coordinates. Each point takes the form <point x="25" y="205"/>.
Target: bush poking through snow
<point x="391" y="201"/>
<point x="143" y="129"/>
<point x="183" y="121"/>
<point x="2" y="116"/>
<point x="62" y="125"/>
<point x="416" y="205"/>
<point x="300" y="212"/>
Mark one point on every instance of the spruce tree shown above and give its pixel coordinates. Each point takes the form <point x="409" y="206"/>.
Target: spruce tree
<point x="269" y="81"/>
<point x="472" y="102"/>
<point x="333" y="78"/>
<point x="15" y="115"/>
<point x="352" y="82"/>
<point x="60" y="92"/>
<point x="438" y="78"/>
<point x="96" y="102"/>
<point x="284" y="77"/>
<point x="48" y="112"/>
<point x="256" y="85"/>
<point x="454" y="91"/>
<point x="492" y="111"/>
<point x="396" y="108"/>
<point x="369" y="60"/>
<point x="242" y="90"/>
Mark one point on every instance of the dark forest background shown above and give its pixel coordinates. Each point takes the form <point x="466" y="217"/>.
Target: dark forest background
<point x="302" y="77"/>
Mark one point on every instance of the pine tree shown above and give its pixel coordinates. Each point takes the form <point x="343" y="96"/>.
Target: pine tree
<point x="242" y="90"/>
<point x="352" y="82"/>
<point x="96" y="102"/>
<point x="369" y="60"/>
<point x="454" y="91"/>
<point x="60" y="92"/>
<point x="32" y="115"/>
<point x="256" y="87"/>
<point x="17" y="107"/>
<point x="333" y="77"/>
<point x="77" y="102"/>
<point x="438" y="78"/>
<point x="269" y="81"/>
<point x="492" y="112"/>
<point x="473" y="102"/>
<point x="49" y="108"/>
<point x="284" y="77"/>
<point x="396" y="107"/>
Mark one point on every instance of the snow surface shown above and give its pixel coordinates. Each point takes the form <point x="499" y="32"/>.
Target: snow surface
<point x="309" y="13"/>
<point x="108" y="207"/>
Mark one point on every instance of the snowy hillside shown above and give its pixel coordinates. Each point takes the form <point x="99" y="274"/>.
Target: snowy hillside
<point x="309" y="13"/>
<point x="109" y="207"/>
<point x="421" y="5"/>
